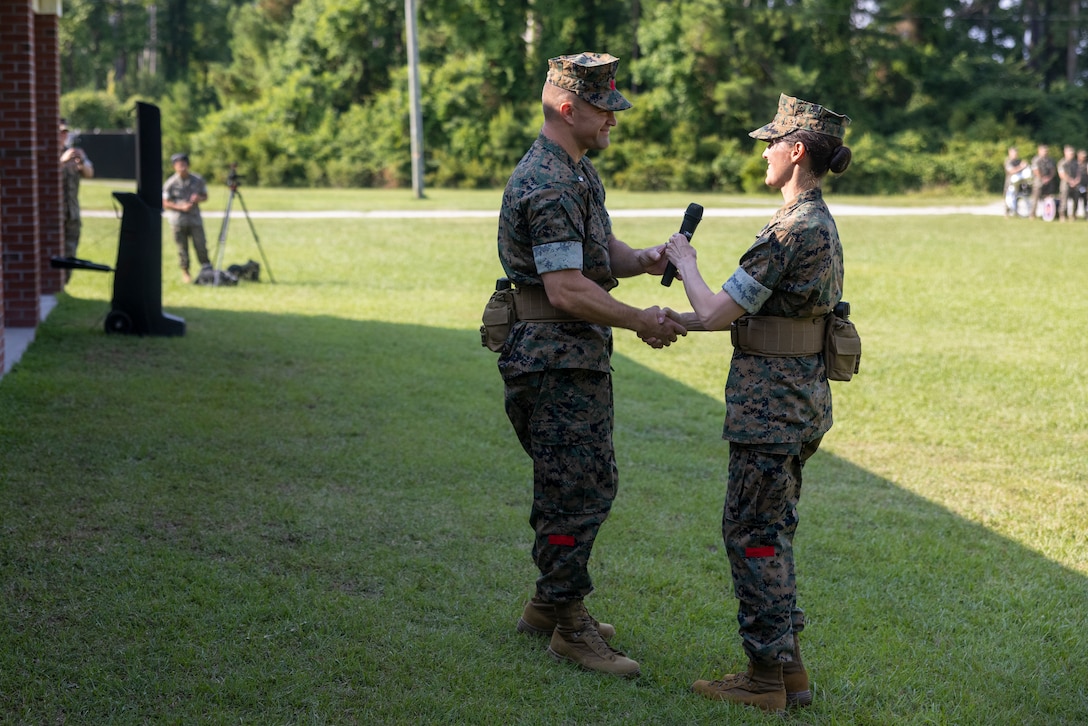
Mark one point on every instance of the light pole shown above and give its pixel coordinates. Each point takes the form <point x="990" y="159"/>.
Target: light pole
<point x="414" y="112"/>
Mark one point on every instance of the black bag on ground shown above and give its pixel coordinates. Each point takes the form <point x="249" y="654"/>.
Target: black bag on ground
<point x="210" y="276"/>
<point x="250" y="271"/>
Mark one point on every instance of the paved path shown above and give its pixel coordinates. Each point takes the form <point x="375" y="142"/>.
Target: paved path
<point x="838" y="210"/>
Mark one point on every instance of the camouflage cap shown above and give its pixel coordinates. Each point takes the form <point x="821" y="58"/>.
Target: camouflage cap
<point x="794" y="114"/>
<point x="590" y="76"/>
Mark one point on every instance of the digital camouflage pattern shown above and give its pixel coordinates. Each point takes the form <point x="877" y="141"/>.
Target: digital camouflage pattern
<point x="558" y="382"/>
<point x="1045" y="173"/>
<point x="777" y="410"/>
<point x="73" y="221"/>
<point x="758" y="525"/>
<point x="564" y="421"/>
<point x="796" y="261"/>
<point x="590" y="76"/>
<point x="186" y="224"/>
<point x="795" y="114"/>
<point x="180" y="190"/>
<point x="1069" y="170"/>
<point x="553" y="217"/>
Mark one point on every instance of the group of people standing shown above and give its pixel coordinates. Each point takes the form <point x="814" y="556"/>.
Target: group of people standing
<point x="1065" y="178"/>
<point x="557" y="248"/>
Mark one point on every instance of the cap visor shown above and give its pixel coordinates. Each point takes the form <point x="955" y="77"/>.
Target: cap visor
<point x="614" y="101"/>
<point x="768" y="132"/>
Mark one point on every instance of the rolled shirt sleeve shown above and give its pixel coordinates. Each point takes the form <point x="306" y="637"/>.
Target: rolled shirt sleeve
<point x="556" y="256"/>
<point x="746" y="290"/>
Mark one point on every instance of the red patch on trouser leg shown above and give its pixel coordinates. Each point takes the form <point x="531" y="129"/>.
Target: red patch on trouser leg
<point x="562" y="540"/>
<point x="759" y="552"/>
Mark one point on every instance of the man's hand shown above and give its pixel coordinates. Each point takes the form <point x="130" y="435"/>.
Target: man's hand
<point x="658" y="329"/>
<point x="652" y="259"/>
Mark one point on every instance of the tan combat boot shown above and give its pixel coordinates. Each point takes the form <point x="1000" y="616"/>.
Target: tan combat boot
<point x="795" y="677"/>
<point x="761" y="687"/>
<point x="575" y="639"/>
<point x="538" y="618"/>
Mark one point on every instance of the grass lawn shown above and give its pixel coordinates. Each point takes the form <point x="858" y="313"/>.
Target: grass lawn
<point x="310" y="508"/>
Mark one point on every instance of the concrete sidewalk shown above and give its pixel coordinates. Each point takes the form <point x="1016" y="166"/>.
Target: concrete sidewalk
<point x="17" y="340"/>
<point x="839" y="210"/>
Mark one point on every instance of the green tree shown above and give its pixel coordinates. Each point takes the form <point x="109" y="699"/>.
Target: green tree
<point x="192" y="35"/>
<point x="314" y="91"/>
<point x="346" y="50"/>
<point x="258" y="33"/>
<point x="495" y="32"/>
<point x="101" y="42"/>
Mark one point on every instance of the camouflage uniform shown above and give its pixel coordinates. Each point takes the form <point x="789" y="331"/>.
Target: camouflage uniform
<point x="557" y="375"/>
<point x="72" y="170"/>
<point x="186" y="224"/>
<point x="1069" y="181"/>
<point x="778" y="408"/>
<point x="1045" y="180"/>
<point x="1080" y="196"/>
<point x="73" y="221"/>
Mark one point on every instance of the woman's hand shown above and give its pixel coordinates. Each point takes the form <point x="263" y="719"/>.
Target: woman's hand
<point x="712" y="310"/>
<point x="679" y="252"/>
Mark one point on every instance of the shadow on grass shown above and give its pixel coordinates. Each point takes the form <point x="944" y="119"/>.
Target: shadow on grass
<point x="287" y="518"/>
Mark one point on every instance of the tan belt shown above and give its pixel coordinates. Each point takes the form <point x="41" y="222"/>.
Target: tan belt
<point x="778" y="337"/>
<point x="531" y="304"/>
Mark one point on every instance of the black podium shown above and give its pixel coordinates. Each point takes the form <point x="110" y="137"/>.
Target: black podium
<point x="137" y="281"/>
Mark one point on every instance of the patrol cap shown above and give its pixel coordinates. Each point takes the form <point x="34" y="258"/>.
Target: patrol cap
<point x="591" y="77"/>
<point x="179" y="157"/>
<point x="795" y="114"/>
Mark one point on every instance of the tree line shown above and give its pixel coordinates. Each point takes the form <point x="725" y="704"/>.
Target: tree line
<point x="314" y="92"/>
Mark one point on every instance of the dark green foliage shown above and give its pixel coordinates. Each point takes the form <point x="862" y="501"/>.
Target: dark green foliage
<point x="314" y="92"/>
<point x="88" y="109"/>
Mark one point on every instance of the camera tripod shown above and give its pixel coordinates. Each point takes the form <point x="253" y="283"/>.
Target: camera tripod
<point x="232" y="184"/>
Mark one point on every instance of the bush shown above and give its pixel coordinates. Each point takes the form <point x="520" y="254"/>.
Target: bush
<point x="728" y="167"/>
<point x="641" y="168"/>
<point x="96" y="110"/>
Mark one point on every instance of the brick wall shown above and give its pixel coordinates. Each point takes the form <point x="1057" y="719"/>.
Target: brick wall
<point x="50" y="189"/>
<point x="19" y="166"/>
<point x="31" y="227"/>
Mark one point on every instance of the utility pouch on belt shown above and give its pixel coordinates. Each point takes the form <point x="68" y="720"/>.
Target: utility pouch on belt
<point x="498" y="317"/>
<point x="833" y="335"/>
<point x="842" y="347"/>
<point x="509" y="305"/>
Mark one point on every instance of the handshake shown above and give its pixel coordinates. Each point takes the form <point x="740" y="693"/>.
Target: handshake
<point x="660" y="327"/>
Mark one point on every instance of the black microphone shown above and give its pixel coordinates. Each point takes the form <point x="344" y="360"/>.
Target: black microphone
<point x="692" y="217"/>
